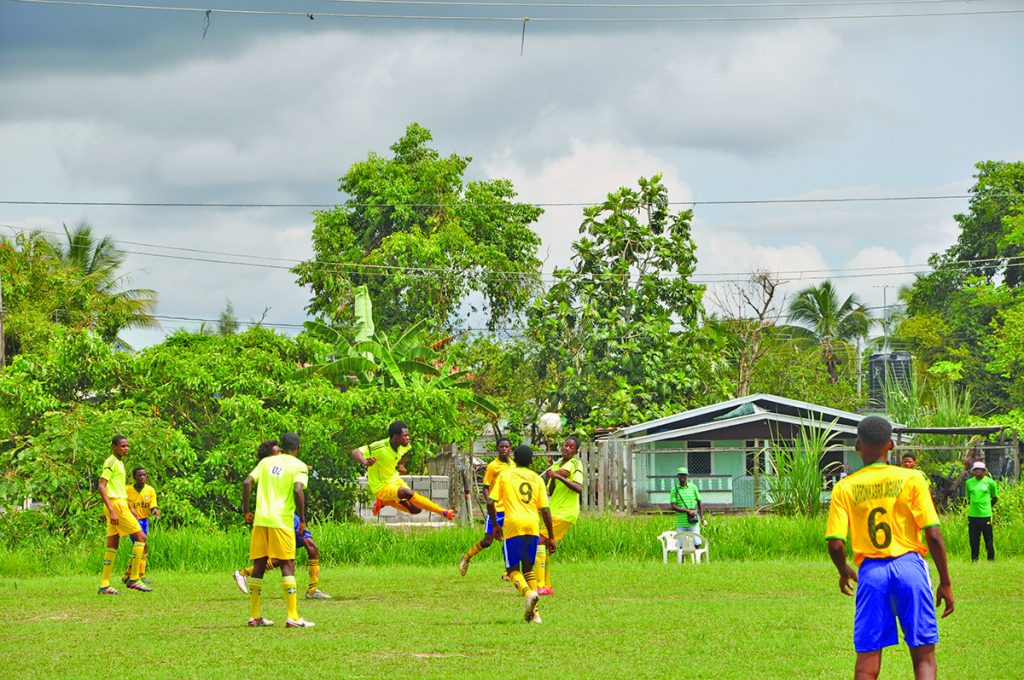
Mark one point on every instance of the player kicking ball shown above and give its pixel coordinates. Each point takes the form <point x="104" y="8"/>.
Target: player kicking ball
<point x="522" y="492"/>
<point x="883" y="509"/>
<point x="494" y="468"/>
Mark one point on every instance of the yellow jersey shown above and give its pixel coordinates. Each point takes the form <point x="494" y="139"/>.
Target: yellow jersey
<point x="565" y="503"/>
<point x="113" y="472"/>
<point x="385" y="470"/>
<point x="522" y="492"/>
<point x="142" y="501"/>
<point x="882" y="509"/>
<point x="495" y="468"/>
<point x="275" y="478"/>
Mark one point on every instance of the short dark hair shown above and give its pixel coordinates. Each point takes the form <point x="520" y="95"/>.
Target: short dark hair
<point x="266" y="448"/>
<point x="523" y="455"/>
<point x="136" y="469"/>
<point x="908" y="454"/>
<point x="395" y="428"/>
<point x="118" y="438"/>
<point x="503" y="439"/>
<point x="574" y="438"/>
<point x="290" y="441"/>
<point x="874" y="431"/>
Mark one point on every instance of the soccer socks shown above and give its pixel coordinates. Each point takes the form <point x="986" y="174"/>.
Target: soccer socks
<point x="474" y="551"/>
<point x="542" y="564"/>
<point x="547" y="575"/>
<point x="247" y="572"/>
<point x="138" y="550"/>
<point x="519" y="581"/>
<point x="424" y="503"/>
<point x="291" y="598"/>
<point x="142" y="565"/>
<point x="109" y="555"/>
<point x="314" y="576"/>
<point x="255" y="593"/>
<point x="531" y="580"/>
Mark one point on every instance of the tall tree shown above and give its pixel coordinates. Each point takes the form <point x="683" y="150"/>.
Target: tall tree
<point x="619" y="336"/>
<point x="424" y="241"/>
<point x="751" y="309"/>
<point x="833" y="323"/>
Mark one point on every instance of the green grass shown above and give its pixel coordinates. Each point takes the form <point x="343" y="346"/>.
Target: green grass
<point x="769" y="619"/>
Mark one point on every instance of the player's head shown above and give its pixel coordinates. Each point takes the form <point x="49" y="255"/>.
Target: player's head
<point x="523" y="455"/>
<point x="978" y="469"/>
<point x="139" y="474"/>
<point x="398" y="433"/>
<point x="268" y="448"/>
<point x="909" y="461"/>
<point x="874" y="438"/>
<point x="290" y="442"/>
<point x="570" y="446"/>
<point x="504" y="447"/>
<point x="119" y="445"/>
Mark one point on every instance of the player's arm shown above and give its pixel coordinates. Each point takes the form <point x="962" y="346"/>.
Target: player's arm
<point x="995" y="490"/>
<point x="937" y="547"/>
<point x="106" y="500"/>
<point x="837" y="551"/>
<point x="549" y="540"/>
<point x="246" y="493"/>
<point x="400" y="466"/>
<point x="562" y="476"/>
<point x="155" y="511"/>
<point x="361" y="459"/>
<point x="300" y="505"/>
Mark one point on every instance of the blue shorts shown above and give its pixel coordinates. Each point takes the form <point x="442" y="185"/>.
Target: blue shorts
<point x="520" y="549"/>
<point x="299" y="538"/>
<point x="887" y="589"/>
<point x="144" y="525"/>
<point x="489" y="528"/>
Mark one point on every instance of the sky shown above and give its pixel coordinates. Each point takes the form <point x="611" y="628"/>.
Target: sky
<point x="117" y="105"/>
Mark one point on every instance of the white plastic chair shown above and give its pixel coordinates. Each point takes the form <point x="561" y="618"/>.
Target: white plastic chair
<point x="687" y="545"/>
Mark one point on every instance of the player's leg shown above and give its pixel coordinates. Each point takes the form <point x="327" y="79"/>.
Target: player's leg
<point x="258" y="553"/>
<point x="868" y="665"/>
<point x="986" y="532"/>
<point x="388" y="497"/>
<point x="529" y="556"/>
<point x="109" y="555"/>
<point x="479" y="546"/>
<point x="128" y="525"/>
<point x="313" y="591"/>
<point x="874" y="622"/>
<point x="144" y="525"/>
<point x="974" y="536"/>
<point x="561" y="528"/>
<point x="912" y="596"/>
<point x="282" y="548"/>
<point x="414" y="500"/>
<point x="924" y="662"/>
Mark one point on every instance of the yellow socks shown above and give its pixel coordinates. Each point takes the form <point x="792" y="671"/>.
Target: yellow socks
<point x="424" y="503"/>
<point x="547" y="574"/>
<point x="247" y="572"/>
<point x="531" y="581"/>
<point x="519" y="581"/>
<point x="255" y="593"/>
<point x="290" y="596"/>
<point x="542" y="564"/>
<point x="314" y="576"/>
<point x="474" y="551"/>
<point x="109" y="555"/>
<point x="138" y="550"/>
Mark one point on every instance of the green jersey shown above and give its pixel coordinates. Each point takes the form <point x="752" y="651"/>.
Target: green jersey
<point x="565" y="503"/>
<point x="113" y="472"/>
<point x="385" y="470"/>
<point x="275" y="478"/>
<point x="685" y="497"/>
<point x="980" y="493"/>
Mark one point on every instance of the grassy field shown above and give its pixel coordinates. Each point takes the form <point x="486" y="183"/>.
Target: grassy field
<point x="767" y="619"/>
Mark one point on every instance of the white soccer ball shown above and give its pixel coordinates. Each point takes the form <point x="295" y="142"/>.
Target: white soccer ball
<point x="549" y="424"/>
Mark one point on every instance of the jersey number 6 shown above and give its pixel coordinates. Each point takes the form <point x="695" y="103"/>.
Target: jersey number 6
<point x="875" y="527"/>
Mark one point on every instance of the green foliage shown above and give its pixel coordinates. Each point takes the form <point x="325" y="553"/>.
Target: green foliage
<point x="792" y="368"/>
<point x="796" y="479"/>
<point x="618" y="339"/>
<point x="830" y="321"/>
<point x="423" y="241"/>
<point x="933" y="402"/>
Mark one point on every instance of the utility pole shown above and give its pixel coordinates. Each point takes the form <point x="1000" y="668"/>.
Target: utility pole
<point x="885" y="314"/>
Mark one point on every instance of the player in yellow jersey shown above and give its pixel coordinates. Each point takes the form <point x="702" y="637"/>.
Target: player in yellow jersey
<point x="280" y="479"/>
<point x="882" y="510"/>
<point x="384" y="461"/>
<point x="564" y="486"/>
<point x="494" y="468"/>
<point x="522" y="492"/>
<point x="121" y="521"/>
<point x="142" y="502"/>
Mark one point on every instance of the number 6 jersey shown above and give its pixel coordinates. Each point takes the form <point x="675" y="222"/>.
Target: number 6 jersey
<point x="523" y="494"/>
<point x="883" y="509"/>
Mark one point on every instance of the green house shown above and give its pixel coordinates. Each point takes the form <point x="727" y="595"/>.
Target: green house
<point x="727" y="446"/>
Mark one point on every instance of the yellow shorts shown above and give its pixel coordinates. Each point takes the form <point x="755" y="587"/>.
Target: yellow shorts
<point x="278" y="544"/>
<point x="126" y="522"/>
<point x="560" y="526"/>
<point x="389" y="492"/>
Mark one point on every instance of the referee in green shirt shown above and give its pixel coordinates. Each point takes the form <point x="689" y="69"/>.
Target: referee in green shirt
<point x="685" y="500"/>
<point x="982" y="495"/>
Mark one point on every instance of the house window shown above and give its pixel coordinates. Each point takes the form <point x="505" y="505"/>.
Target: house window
<point x="699" y="461"/>
<point x="752" y="456"/>
<point x="832" y="462"/>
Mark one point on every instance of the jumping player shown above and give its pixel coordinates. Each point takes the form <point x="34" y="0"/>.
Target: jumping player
<point x="280" y="480"/>
<point x="120" y="519"/>
<point x="883" y="509"/>
<point x="494" y="468"/>
<point x="521" y="491"/>
<point x="564" y="486"/>
<point x="384" y="462"/>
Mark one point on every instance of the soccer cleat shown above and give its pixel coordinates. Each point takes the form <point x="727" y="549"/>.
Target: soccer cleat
<point x="317" y="595"/>
<point x="536" y="617"/>
<point x="545" y="591"/>
<point x="240" y="582"/>
<point x="146" y="581"/>
<point x="463" y="565"/>
<point x="299" y="623"/>
<point x="531" y="606"/>
<point x="107" y="590"/>
<point x="260" y="622"/>
<point x="377" y="507"/>
<point x="448" y="514"/>
<point x="139" y="586"/>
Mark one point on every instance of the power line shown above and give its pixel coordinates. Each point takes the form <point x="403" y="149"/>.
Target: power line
<point x="483" y="18"/>
<point x="668" y="5"/>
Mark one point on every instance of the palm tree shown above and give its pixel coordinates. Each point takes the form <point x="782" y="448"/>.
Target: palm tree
<point x="98" y="262"/>
<point x="818" y="309"/>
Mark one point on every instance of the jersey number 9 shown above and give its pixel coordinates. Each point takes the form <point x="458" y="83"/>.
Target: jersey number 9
<point x="526" y="492"/>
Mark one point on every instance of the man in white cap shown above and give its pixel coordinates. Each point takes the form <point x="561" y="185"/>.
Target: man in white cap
<point x="982" y="494"/>
<point x="685" y="500"/>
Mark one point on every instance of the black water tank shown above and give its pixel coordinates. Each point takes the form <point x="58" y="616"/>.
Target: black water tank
<point x="892" y="367"/>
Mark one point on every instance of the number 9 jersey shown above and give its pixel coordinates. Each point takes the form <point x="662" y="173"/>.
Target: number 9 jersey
<point x="523" y="494"/>
<point x="883" y="509"/>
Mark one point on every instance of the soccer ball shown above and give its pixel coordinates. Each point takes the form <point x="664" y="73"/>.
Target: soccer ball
<point x="549" y="424"/>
